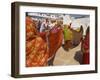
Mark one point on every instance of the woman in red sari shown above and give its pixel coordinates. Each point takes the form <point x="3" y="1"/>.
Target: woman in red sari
<point x="36" y="48"/>
<point x="86" y="48"/>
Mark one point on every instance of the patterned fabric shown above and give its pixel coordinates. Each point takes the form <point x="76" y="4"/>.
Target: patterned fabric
<point x="37" y="52"/>
<point x="36" y="48"/>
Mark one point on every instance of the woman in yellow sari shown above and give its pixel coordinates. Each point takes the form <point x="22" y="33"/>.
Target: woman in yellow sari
<point x="68" y="35"/>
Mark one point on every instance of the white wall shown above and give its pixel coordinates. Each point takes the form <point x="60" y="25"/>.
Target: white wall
<point x="5" y="40"/>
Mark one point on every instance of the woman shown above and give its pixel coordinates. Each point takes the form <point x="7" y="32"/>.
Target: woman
<point x="36" y="48"/>
<point x="45" y="25"/>
<point x="68" y="35"/>
<point x="86" y="48"/>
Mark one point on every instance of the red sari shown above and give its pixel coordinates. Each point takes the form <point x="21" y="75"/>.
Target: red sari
<point x="85" y="49"/>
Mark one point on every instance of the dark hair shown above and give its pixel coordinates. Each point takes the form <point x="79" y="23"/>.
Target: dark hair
<point x="88" y="29"/>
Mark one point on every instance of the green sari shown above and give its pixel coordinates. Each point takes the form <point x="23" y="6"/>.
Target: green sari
<point x="67" y="34"/>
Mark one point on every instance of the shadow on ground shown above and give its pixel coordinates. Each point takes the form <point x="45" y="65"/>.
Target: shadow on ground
<point x="79" y="56"/>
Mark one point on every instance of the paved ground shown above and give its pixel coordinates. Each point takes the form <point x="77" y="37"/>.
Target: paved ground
<point x="71" y="57"/>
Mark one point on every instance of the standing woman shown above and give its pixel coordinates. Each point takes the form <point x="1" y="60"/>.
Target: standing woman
<point x="86" y="48"/>
<point x="45" y="25"/>
<point x="68" y="35"/>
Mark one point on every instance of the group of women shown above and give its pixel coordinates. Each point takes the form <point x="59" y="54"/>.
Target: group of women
<point x="43" y="40"/>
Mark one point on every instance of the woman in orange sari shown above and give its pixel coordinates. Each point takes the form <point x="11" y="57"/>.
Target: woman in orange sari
<point x="36" y="48"/>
